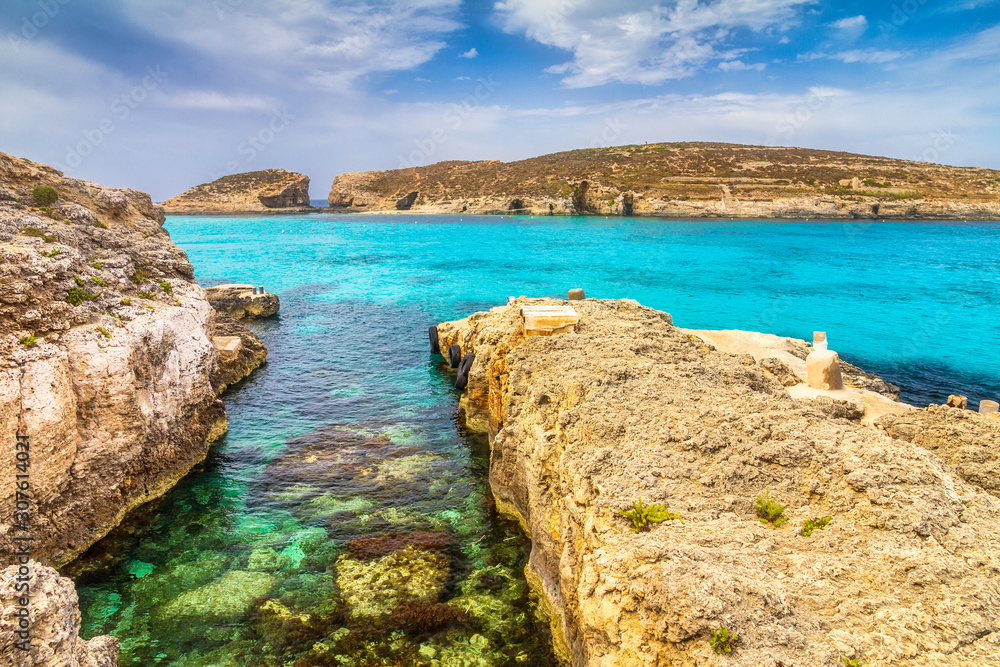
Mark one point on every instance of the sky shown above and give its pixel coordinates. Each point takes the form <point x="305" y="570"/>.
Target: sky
<point x="162" y="95"/>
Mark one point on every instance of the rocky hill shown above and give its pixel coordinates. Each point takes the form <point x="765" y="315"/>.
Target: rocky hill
<point x="885" y="551"/>
<point x="252" y="192"/>
<point x="682" y="180"/>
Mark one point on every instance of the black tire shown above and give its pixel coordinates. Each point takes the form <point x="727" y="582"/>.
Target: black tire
<point x="435" y="346"/>
<point x="462" y="380"/>
<point x="454" y="355"/>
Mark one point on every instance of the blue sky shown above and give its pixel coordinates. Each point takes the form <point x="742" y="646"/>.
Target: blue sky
<point x="161" y="95"/>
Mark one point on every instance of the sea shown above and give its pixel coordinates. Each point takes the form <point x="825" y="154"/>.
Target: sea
<point x="346" y="519"/>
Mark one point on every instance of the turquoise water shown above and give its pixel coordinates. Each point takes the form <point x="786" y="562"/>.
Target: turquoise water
<point x="345" y="465"/>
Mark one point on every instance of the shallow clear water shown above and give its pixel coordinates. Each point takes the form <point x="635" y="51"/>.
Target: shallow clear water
<point x="349" y="431"/>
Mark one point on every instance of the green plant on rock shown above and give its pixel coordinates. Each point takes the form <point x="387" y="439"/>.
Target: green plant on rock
<point x="100" y="224"/>
<point x="76" y="296"/>
<point x="722" y="641"/>
<point x="51" y="253"/>
<point x="769" y="510"/>
<point x="852" y="662"/>
<point x="812" y="524"/>
<point x="104" y="332"/>
<point x="38" y="234"/>
<point x="166" y="286"/>
<point x="99" y="281"/>
<point x="29" y="341"/>
<point x="97" y="265"/>
<point x="45" y="195"/>
<point x="146" y="295"/>
<point x="125" y="302"/>
<point x="642" y="515"/>
<point x="138" y="276"/>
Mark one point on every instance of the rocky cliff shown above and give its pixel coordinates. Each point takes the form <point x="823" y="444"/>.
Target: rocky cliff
<point x="54" y="622"/>
<point x="106" y="357"/>
<point x="252" y="192"/>
<point x="584" y="424"/>
<point x="682" y="180"/>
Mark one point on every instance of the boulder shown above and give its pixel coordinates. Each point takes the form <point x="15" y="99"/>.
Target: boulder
<point x="54" y="623"/>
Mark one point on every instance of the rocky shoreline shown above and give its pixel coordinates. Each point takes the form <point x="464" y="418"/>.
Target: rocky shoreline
<point x="109" y="367"/>
<point x="584" y="424"/>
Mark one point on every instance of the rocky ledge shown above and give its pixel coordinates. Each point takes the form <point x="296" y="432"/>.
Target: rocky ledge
<point x="54" y="623"/>
<point x="266" y="191"/>
<point x="691" y="179"/>
<point x="626" y="408"/>
<point x="244" y="302"/>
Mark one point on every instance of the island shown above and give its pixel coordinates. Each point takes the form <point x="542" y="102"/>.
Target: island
<point x="683" y="180"/>
<point x="266" y="191"/>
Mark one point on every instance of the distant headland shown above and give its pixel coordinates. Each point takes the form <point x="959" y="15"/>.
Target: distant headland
<point x="675" y="180"/>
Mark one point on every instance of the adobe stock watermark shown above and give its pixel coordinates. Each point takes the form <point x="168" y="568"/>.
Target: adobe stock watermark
<point x="786" y="126"/>
<point x="121" y="108"/>
<point x="32" y="24"/>
<point x="901" y="13"/>
<point x="940" y="143"/>
<point x="255" y="143"/>
<point x="453" y="119"/>
<point x="225" y="7"/>
<point x="613" y="129"/>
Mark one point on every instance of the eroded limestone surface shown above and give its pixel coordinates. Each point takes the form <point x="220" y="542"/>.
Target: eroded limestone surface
<point x="105" y="357"/>
<point x="582" y="424"/>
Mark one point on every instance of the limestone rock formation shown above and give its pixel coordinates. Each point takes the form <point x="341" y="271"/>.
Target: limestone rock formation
<point x="691" y="179"/>
<point x="105" y="358"/>
<point x="239" y="301"/>
<point x="249" y="354"/>
<point x="251" y="192"/>
<point x="54" y="624"/>
<point x="583" y="424"/>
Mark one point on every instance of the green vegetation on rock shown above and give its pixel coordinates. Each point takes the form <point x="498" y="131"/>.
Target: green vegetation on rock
<point x="640" y="515"/>
<point x="769" y="510"/>
<point x="45" y="195"/>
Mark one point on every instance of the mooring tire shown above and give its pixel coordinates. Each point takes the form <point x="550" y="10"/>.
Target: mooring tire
<point x="454" y="355"/>
<point x="463" y="370"/>
<point x="435" y="346"/>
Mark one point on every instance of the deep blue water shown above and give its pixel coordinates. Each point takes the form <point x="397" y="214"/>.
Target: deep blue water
<point x="349" y="380"/>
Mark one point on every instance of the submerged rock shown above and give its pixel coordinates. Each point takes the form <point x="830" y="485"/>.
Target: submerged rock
<point x="54" y="624"/>
<point x="373" y="588"/>
<point x="583" y="424"/>
<point x="223" y="600"/>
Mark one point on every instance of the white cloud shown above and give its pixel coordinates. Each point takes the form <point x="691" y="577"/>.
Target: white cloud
<point x="214" y="100"/>
<point x="738" y="65"/>
<point x="631" y="42"/>
<point x="868" y="56"/>
<point x="471" y="53"/>
<point x="851" y="23"/>
<point x="304" y="43"/>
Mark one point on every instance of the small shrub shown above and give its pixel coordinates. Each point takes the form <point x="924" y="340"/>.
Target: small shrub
<point x="104" y="332"/>
<point x="874" y="184"/>
<point x="100" y="224"/>
<point x="166" y="286"/>
<point x="126" y="302"/>
<point x="769" y="510"/>
<point x="96" y="265"/>
<point x="99" y="281"/>
<point x="146" y="295"/>
<point x="812" y="524"/>
<point x="29" y="341"/>
<point x="38" y="234"/>
<point x="642" y="515"/>
<point x="722" y="641"/>
<point x="79" y="281"/>
<point x="51" y="253"/>
<point x="138" y="276"/>
<point x="852" y="662"/>
<point x="45" y="195"/>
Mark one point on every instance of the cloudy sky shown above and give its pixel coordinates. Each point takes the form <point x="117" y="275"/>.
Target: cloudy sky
<point x="161" y="95"/>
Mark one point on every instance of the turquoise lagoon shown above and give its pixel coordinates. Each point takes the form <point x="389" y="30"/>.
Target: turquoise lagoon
<point x="345" y="518"/>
